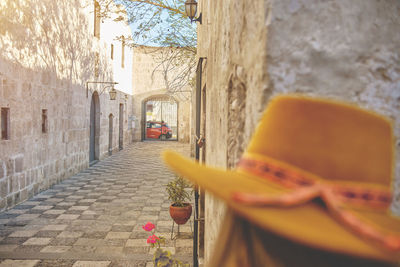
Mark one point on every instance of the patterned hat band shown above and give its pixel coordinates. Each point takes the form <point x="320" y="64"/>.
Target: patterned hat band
<point x="355" y="195"/>
<point x="338" y="198"/>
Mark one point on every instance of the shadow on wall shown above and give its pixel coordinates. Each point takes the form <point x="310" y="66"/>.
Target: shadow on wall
<point x="53" y="37"/>
<point x="32" y="161"/>
<point x="47" y="53"/>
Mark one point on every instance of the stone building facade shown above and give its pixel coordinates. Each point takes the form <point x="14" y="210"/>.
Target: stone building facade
<point x="254" y="50"/>
<point x="51" y="55"/>
<point x="149" y="84"/>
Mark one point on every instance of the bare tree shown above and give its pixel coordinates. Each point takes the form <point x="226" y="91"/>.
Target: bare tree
<point x="163" y="23"/>
<point x="177" y="66"/>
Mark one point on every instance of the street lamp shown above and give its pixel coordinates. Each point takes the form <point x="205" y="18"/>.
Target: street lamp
<point x="191" y="10"/>
<point x="112" y="92"/>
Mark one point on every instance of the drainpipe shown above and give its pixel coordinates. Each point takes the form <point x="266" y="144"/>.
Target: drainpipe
<point x="197" y="156"/>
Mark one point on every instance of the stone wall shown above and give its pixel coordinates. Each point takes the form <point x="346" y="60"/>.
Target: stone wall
<point x="46" y="57"/>
<point x="233" y="39"/>
<point x="350" y="57"/>
<point x="346" y="50"/>
<point x="148" y="82"/>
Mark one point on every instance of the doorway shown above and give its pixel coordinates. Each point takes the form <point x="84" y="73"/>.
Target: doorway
<point x="110" y="133"/>
<point x="160" y="116"/>
<point x="94" y="128"/>
<point x="121" y="126"/>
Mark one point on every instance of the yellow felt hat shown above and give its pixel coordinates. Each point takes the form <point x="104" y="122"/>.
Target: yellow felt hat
<point x="316" y="172"/>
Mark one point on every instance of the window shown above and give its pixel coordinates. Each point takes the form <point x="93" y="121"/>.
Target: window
<point x="123" y="53"/>
<point x="5" y="123"/>
<point x="112" y="51"/>
<point x="96" y="19"/>
<point x="44" y="120"/>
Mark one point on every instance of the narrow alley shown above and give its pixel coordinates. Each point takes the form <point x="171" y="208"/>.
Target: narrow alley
<point x="95" y="217"/>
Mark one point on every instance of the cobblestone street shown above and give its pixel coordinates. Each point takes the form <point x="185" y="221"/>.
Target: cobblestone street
<point x="94" y="218"/>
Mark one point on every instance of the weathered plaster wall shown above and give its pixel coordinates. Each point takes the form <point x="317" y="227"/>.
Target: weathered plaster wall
<point x="47" y="53"/>
<point x="148" y="82"/>
<point x="347" y="50"/>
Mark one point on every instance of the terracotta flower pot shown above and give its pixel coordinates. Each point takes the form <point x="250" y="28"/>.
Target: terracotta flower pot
<point x="180" y="214"/>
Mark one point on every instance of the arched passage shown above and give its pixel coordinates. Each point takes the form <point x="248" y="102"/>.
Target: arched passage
<point x="160" y="117"/>
<point x="94" y="147"/>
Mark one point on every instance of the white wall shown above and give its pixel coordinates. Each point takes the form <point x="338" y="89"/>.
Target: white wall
<point x="110" y="33"/>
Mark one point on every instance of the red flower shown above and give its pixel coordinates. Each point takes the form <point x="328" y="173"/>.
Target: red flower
<point x="148" y="227"/>
<point x="152" y="239"/>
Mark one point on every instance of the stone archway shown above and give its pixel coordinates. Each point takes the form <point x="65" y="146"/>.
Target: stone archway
<point x="94" y="143"/>
<point x="162" y="109"/>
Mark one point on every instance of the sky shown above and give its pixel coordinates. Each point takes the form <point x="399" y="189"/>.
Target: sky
<point x="164" y="27"/>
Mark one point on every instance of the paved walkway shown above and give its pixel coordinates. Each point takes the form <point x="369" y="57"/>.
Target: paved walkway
<point x="94" y="218"/>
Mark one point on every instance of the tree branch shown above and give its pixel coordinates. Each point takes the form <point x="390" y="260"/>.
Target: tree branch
<point x="163" y="6"/>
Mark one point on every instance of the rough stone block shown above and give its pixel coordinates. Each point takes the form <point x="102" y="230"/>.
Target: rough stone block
<point x="4" y="188"/>
<point x="19" y="164"/>
<point x="36" y="188"/>
<point x="17" y="198"/>
<point x="37" y="241"/>
<point x="9" y="87"/>
<point x="2" y="170"/>
<point x="31" y="192"/>
<point x="46" y="171"/>
<point x="27" y="88"/>
<point x="34" y="175"/>
<point x="45" y="78"/>
<point x="10" y="167"/>
<point x="58" y="166"/>
<point x="28" y="177"/>
<point x="24" y="263"/>
<point x="3" y="204"/>
<point x="22" y="181"/>
<point x="10" y="201"/>
<point x="13" y="184"/>
<point x="24" y="194"/>
<point x="92" y="263"/>
<point x="40" y="175"/>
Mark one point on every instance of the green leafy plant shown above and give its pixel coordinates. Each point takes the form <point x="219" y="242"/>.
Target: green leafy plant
<point x="177" y="192"/>
<point x="162" y="257"/>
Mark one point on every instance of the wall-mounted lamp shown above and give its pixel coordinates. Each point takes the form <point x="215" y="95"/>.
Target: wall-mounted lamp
<point x="191" y="10"/>
<point x="112" y="92"/>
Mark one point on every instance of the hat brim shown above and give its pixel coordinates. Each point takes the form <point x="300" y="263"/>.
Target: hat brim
<point x="309" y="224"/>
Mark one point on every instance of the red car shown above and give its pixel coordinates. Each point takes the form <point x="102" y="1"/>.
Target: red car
<point x="158" y="130"/>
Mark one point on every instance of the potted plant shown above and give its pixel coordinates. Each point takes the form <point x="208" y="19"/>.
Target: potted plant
<point x="180" y="209"/>
<point x="162" y="257"/>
